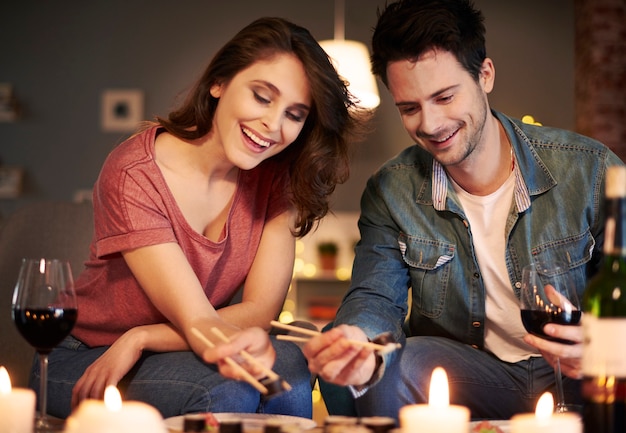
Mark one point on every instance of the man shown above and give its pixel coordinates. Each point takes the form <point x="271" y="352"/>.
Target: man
<point x="454" y="219"/>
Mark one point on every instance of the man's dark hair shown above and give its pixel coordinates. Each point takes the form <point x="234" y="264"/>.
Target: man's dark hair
<point x="407" y="29"/>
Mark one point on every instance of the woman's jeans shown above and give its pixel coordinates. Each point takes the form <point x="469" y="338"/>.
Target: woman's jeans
<point x="177" y="383"/>
<point x="489" y="387"/>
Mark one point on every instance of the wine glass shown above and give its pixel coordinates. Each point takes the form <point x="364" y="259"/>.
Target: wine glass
<point x="44" y="310"/>
<point x="548" y="295"/>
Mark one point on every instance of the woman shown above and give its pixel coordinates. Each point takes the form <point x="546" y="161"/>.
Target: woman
<point x="192" y="208"/>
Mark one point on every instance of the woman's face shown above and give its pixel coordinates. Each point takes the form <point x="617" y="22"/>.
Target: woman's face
<point x="261" y="110"/>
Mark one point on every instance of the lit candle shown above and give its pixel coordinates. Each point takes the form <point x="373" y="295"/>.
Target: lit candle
<point x="111" y="415"/>
<point x="544" y="421"/>
<point x="438" y="416"/>
<point x="17" y="406"/>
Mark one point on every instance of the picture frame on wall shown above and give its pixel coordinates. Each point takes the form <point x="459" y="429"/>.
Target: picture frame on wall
<point x="11" y="179"/>
<point x="122" y="109"/>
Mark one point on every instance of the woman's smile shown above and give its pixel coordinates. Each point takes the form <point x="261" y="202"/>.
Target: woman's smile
<point x="255" y="141"/>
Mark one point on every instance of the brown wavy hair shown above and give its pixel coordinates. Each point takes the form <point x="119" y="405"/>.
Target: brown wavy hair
<point x="318" y="159"/>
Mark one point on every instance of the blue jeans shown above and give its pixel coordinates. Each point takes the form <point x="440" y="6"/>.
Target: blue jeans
<point x="489" y="387"/>
<point x="177" y="383"/>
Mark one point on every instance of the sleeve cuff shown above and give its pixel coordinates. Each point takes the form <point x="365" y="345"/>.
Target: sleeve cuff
<point x="359" y="390"/>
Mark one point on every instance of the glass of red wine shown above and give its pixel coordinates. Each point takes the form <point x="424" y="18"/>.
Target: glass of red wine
<point x="548" y="295"/>
<point x="44" y="310"/>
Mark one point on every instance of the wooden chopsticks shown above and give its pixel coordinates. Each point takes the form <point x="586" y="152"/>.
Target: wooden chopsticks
<point x="242" y="371"/>
<point x="381" y="348"/>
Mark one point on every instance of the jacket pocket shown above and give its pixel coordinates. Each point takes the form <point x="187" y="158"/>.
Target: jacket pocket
<point x="429" y="262"/>
<point x="575" y="251"/>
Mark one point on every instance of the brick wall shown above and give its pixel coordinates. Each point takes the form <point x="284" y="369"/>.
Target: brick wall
<point x="600" y="71"/>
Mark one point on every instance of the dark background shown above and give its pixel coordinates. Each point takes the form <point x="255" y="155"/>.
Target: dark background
<point x="61" y="55"/>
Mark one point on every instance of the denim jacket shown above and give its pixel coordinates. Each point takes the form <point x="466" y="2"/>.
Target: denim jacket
<point x="408" y="241"/>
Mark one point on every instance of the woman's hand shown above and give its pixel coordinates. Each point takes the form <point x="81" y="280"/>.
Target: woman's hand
<point x="336" y="360"/>
<point x="109" y="369"/>
<point x="570" y="355"/>
<point x="117" y="361"/>
<point x="254" y="340"/>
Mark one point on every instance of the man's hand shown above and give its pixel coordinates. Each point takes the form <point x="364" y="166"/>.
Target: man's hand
<point x="336" y="360"/>
<point x="570" y="355"/>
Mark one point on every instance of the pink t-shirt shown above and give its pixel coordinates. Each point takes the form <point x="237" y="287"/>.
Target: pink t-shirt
<point x="133" y="207"/>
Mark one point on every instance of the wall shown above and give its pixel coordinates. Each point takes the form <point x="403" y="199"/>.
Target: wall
<point x="600" y="70"/>
<point x="59" y="56"/>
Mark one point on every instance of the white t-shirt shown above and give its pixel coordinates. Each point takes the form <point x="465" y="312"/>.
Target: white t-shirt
<point x="487" y="217"/>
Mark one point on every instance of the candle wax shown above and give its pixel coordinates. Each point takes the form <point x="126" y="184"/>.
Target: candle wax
<point x="558" y="422"/>
<point x="92" y="416"/>
<point x="431" y="419"/>
<point x="17" y="410"/>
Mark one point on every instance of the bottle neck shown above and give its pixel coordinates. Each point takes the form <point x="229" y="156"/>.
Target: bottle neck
<point x="615" y="227"/>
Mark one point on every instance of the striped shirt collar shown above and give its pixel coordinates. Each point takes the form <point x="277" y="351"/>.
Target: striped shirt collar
<point x="440" y="188"/>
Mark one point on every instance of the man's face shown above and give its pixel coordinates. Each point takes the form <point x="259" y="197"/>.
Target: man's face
<point x="441" y="105"/>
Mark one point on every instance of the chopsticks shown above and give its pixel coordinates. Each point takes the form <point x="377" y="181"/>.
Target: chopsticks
<point x="252" y="360"/>
<point x="242" y="371"/>
<point x="381" y="348"/>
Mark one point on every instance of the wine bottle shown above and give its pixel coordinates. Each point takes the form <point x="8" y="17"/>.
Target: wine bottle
<point x="604" y="321"/>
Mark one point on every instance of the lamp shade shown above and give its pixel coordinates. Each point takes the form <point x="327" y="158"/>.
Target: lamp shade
<point x="351" y="60"/>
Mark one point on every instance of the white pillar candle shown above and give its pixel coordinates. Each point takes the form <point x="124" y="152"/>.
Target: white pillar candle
<point x="544" y="421"/>
<point x="438" y="416"/>
<point x="111" y="415"/>
<point x="17" y="406"/>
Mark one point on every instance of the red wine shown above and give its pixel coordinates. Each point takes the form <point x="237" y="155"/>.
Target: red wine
<point x="44" y="328"/>
<point x="535" y="320"/>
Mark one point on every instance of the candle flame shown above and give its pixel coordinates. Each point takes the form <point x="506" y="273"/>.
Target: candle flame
<point x="112" y="398"/>
<point x="5" y="382"/>
<point x="545" y="406"/>
<point x="42" y="266"/>
<point x="439" y="395"/>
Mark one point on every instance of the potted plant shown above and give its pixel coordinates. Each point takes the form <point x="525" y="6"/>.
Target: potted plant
<point x="327" y="252"/>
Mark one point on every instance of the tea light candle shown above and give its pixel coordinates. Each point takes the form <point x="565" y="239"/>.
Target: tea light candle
<point x="544" y="421"/>
<point x="438" y="416"/>
<point x="111" y="415"/>
<point x="17" y="406"/>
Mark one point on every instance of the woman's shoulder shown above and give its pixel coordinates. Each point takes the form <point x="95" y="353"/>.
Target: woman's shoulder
<point x="136" y="150"/>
